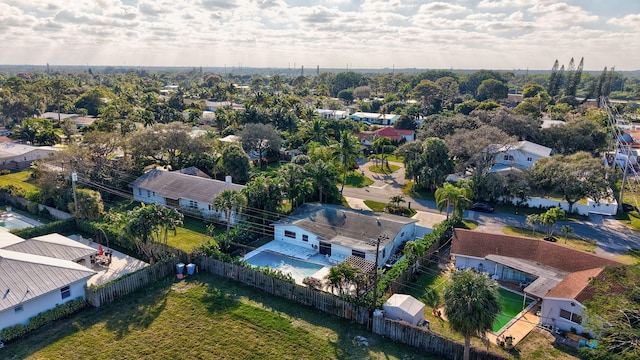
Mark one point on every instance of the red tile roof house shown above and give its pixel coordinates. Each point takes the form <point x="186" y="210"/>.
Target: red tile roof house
<point x="557" y="276"/>
<point x="396" y="135"/>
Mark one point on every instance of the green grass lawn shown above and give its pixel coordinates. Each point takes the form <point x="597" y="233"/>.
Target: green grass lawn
<point x="384" y="169"/>
<point x="579" y="244"/>
<point x="393" y="158"/>
<point x="355" y="179"/>
<point x="376" y="206"/>
<point x="204" y="317"/>
<point x="20" y="180"/>
<point x="631" y="257"/>
<point x="631" y="219"/>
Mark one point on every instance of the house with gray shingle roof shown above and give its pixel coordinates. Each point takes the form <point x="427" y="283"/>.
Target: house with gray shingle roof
<point x="37" y="275"/>
<point x="339" y="232"/>
<point x="553" y="274"/>
<point x="181" y="191"/>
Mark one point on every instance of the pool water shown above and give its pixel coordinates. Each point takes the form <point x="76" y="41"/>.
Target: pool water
<point x="12" y="223"/>
<point x="298" y="269"/>
<point x="511" y="307"/>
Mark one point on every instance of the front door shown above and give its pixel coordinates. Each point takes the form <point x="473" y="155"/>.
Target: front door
<point x="325" y="248"/>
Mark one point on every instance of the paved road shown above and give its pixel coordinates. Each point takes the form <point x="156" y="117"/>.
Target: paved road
<point x="612" y="237"/>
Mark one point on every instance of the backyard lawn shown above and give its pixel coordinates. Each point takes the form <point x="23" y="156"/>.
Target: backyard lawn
<point x="190" y="235"/>
<point x="20" y="180"/>
<point x="204" y="317"/>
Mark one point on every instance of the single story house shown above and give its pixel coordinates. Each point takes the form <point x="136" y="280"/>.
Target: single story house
<point x="555" y="275"/>
<point x="518" y="156"/>
<point x="31" y="284"/>
<point x="182" y="191"/>
<point x="375" y="118"/>
<point x="52" y="245"/>
<point x="15" y="156"/>
<point x="53" y="115"/>
<point x="395" y="135"/>
<point x="339" y="232"/>
<point x="328" y="114"/>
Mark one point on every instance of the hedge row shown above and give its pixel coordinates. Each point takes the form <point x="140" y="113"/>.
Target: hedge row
<point x="60" y="226"/>
<point x="58" y="312"/>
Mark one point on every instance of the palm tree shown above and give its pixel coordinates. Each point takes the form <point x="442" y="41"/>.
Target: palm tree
<point x="396" y="200"/>
<point x="533" y="219"/>
<point x="348" y="151"/>
<point x="228" y="201"/>
<point x="450" y="195"/>
<point x="323" y="175"/>
<point x="334" y="279"/>
<point x="566" y="230"/>
<point x="471" y="305"/>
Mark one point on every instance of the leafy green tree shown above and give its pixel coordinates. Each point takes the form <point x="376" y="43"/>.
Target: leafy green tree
<point x="472" y="304"/>
<point x="430" y="93"/>
<point x="236" y="163"/>
<point x="149" y="225"/>
<point x="396" y="200"/>
<point x="324" y="177"/>
<point x="613" y="313"/>
<point x="492" y="89"/>
<point x="428" y="162"/>
<point x="264" y="199"/>
<point x="263" y="140"/>
<point x="229" y="201"/>
<point x="574" y="176"/>
<point x="90" y="204"/>
<point x="550" y="217"/>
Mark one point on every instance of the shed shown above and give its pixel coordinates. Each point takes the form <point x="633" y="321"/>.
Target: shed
<point x="404" y="307"/>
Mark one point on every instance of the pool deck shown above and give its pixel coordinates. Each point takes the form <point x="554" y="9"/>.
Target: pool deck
<point x="297" y="252"/>
<point x="520" y="328"/>
<point x="11" y="214"/>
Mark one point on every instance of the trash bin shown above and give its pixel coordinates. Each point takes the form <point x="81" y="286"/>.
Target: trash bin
<point x="191" y="269"/>
<point x="180" y="268"/>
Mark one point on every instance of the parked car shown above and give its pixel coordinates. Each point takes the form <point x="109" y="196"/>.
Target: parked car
<point x="482" y="207"/>
<point x="550" y="238"/>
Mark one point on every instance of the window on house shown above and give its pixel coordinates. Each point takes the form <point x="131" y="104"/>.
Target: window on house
<point x="18" y="309"/>
<point x="529" y="159"/>
<point x="570" y="316"/>
<point x="211" y="207"/>
<point x="357" y="253"/>
<point x="193" y="204"/>
<point x="65" y="292"/>
<point x="290" y="234"/>
<point x="506" y="157"/>
<point x="139" y="191"/>
<point x="148" y="193"/>
<point x="384" y="252"/>
<point x="305" y="237"/>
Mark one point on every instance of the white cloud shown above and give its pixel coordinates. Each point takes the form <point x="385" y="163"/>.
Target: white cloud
<point x="559" y="14"/>
<point x="441" y="8"/>
<point x="631" y="21"/>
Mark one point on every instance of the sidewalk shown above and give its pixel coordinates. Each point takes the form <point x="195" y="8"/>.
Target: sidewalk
<point x="356" y="203"/>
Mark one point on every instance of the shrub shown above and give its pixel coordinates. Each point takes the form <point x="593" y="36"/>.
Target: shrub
<point x="61" y="226"/>
<point x="58" y="312"/>
<point x="32" y="207"/>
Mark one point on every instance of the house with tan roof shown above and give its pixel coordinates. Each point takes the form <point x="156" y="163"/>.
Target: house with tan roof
<point x="556" y="276"/>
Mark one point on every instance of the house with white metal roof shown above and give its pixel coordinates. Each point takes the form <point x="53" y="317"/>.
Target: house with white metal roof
<point x="33" y="279"/>
<point x="375" y="118"/>
<point x="15" y="156"/>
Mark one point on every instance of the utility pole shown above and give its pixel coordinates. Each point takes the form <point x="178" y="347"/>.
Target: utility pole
<point x="375" y="277"/>
<point x="74" y="178"/>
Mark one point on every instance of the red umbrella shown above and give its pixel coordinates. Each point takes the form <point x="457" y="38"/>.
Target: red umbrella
<point x="100" y="251"/>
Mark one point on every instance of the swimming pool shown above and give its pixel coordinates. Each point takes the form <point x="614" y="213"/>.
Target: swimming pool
<point x="511" y="307"/>
<point x="298" y="269"/>
<point x="13" y="223"/>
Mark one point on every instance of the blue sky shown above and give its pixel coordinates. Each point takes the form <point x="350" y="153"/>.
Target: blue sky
<point x="460" y="34"/>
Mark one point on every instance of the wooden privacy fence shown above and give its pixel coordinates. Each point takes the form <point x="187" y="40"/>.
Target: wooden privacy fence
<point x="328" y="303"/>
<point x="425" y="339"/>
<point x="129" y="283"/>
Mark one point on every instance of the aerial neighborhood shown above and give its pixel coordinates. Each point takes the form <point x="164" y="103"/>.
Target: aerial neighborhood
<point x="458" y="214"/>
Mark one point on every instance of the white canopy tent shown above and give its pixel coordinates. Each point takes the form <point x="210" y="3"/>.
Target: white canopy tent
<point x="404" y="307"/>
